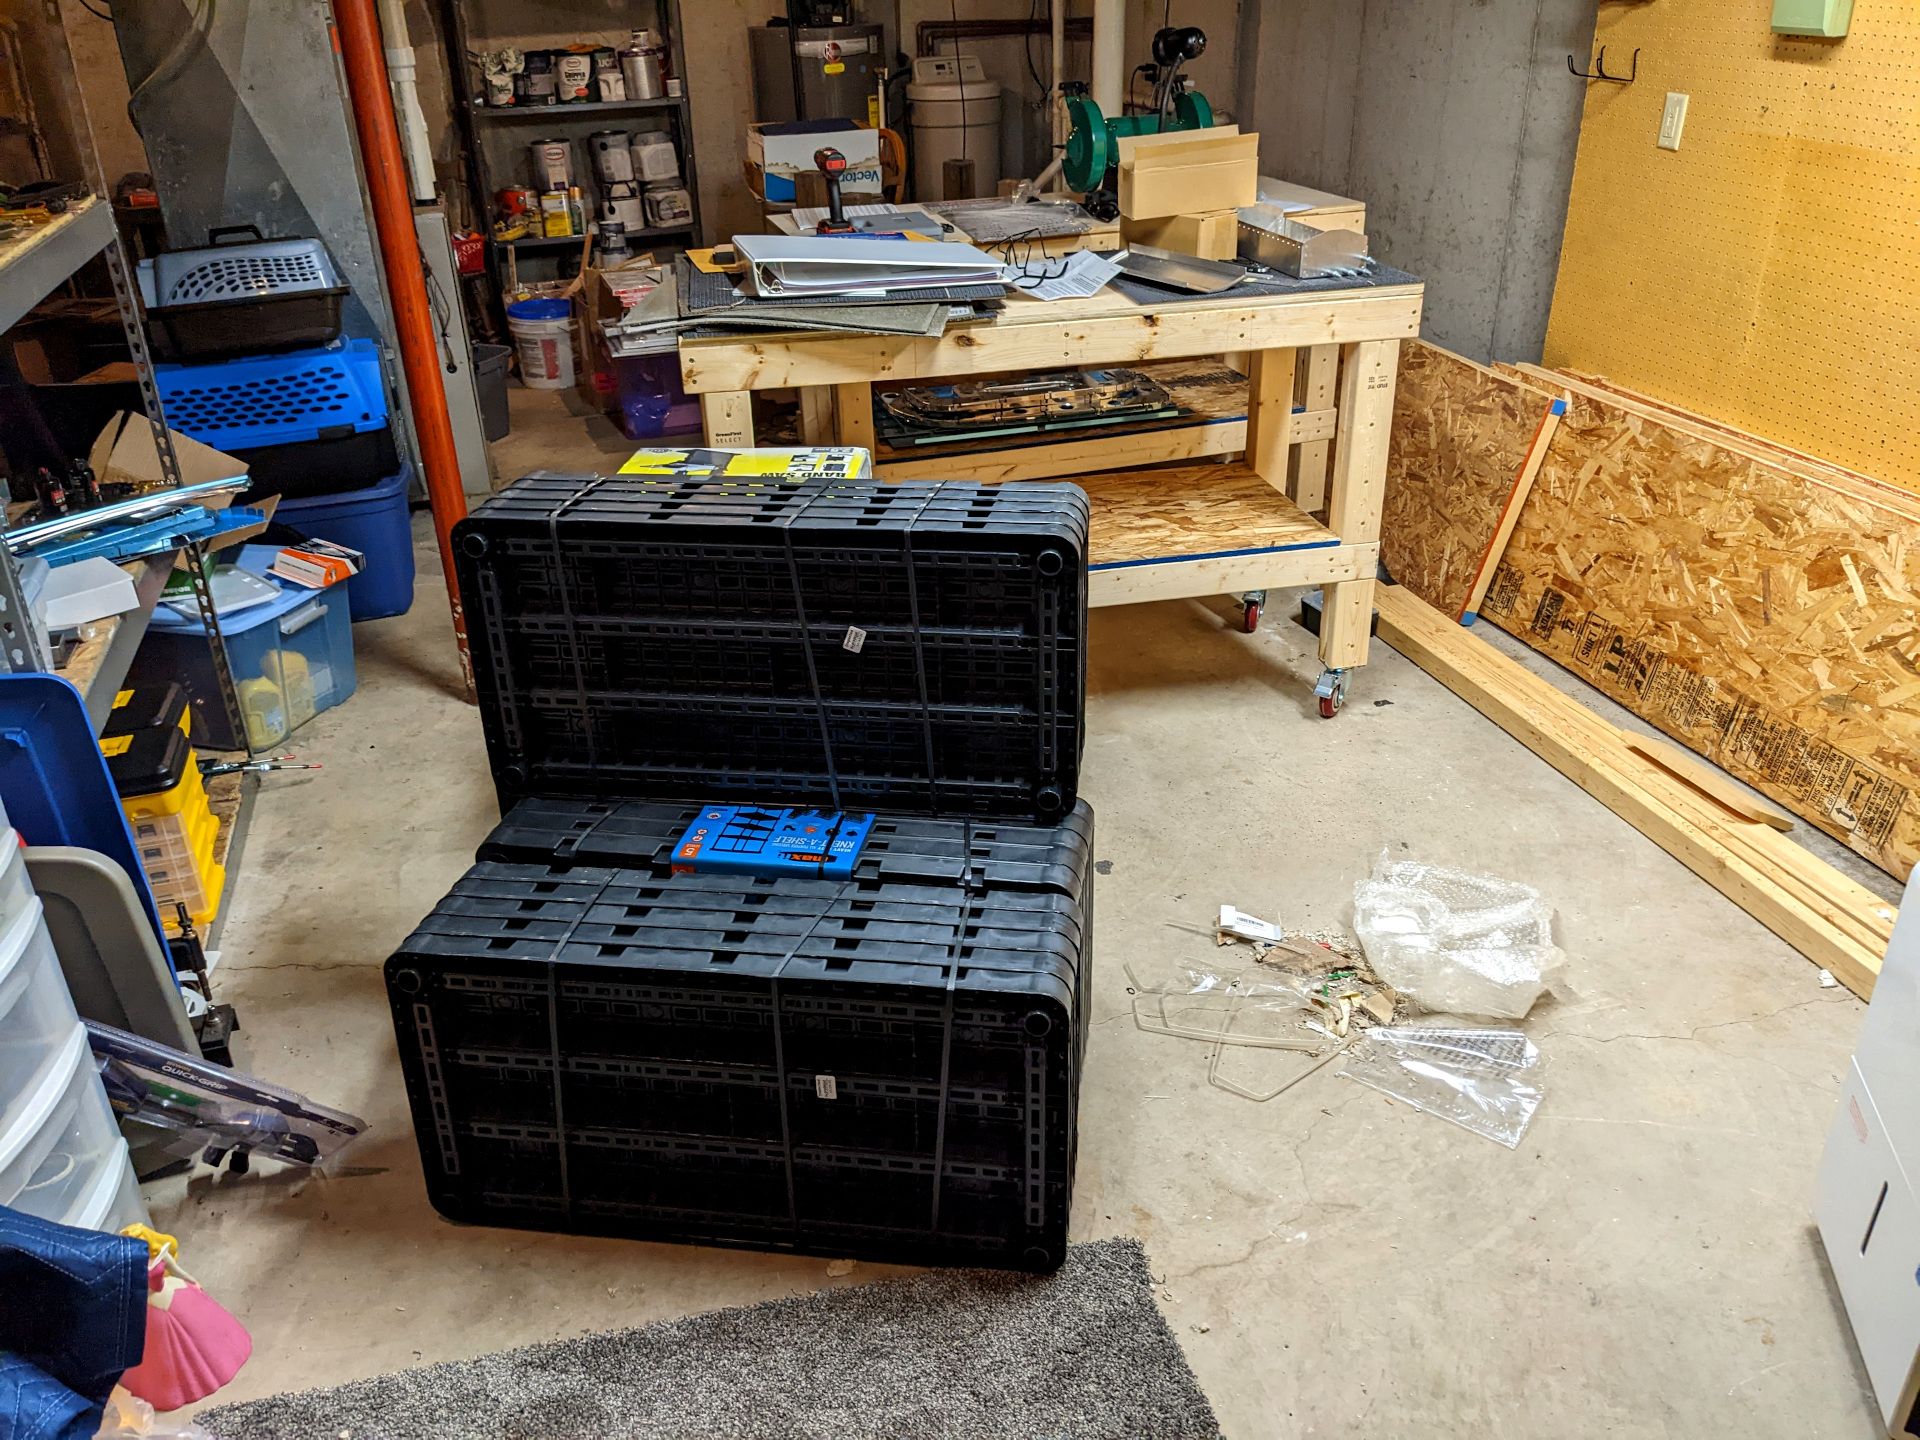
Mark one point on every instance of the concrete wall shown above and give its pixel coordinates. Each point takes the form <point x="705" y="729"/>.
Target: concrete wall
<point x="1454" y="120"/>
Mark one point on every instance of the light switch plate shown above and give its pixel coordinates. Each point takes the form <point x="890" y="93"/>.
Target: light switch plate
<point x="1828" y="18"/>
<point x="1673" y="120"/>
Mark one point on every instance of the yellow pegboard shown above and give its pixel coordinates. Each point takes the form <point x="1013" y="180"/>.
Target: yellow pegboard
<point x="1764" y="273"/>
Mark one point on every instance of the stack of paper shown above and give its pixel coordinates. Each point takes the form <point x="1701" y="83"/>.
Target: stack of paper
<point x="851" y="265"/>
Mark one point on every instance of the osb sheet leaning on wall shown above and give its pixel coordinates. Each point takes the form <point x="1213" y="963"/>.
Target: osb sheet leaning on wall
<point x="1769" y="621"/>
<point x="1456" y="464"/>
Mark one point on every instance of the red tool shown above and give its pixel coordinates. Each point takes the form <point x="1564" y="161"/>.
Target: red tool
<point x="832" y="164"/>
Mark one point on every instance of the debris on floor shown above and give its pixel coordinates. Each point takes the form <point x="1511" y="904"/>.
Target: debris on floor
<point x="1237" y="924"/>
<point x="1306" y="993"/>
<point x="1455" y="942"/>
<point x="1480" y="1080"/>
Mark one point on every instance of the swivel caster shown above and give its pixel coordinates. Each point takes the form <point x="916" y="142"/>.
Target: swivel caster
<point x="1251" y="605"/>
<point x="1331" y="691"/>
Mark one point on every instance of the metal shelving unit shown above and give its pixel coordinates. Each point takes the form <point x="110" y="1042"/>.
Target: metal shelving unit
<point x="34" y="265"/>
<point x="479" y="121"/>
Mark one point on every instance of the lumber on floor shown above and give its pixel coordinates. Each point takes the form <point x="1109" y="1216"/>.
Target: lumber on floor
<point x="1832" y="920"/>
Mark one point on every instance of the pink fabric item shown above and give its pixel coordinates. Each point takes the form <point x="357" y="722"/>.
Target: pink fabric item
<point x="193" y="1345"/>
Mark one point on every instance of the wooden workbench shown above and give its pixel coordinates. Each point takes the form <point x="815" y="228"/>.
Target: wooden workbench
<point x="1157" y="534"/>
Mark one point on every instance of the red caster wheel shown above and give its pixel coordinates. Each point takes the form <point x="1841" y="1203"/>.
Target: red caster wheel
<point x="1331" y="691"/>
<point x="1251" y="604"/>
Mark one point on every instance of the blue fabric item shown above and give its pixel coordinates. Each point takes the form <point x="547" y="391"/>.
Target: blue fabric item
<point x="35" y="1406"/>
<point x="74" y="1318"/>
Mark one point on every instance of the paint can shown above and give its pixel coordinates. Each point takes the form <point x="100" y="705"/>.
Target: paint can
<point x="621" y="205"/>
<point x="573" y="75"/>
<point x="552" y="164"/>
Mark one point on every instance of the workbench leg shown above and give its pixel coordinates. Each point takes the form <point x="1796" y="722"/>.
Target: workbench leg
<point x="855" y="403"/>
<point x="728" y="418"/>
<point x="1270" y="415"/>
<point x="817" y="423"/>
<point x="1309" y="487"/>
<point x="1358" y="486"/>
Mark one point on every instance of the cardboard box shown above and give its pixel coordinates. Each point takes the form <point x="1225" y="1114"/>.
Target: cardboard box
<point x="600" y="295"/>
<point x="1321" y="209"/>
<point x="1212" y="236"/>
<point x="778" y="152"/>
<point x="124" y="454"/>
<point x="1188" y="172"/>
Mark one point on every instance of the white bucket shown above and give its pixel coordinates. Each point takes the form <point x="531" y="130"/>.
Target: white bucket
<point x="545" y="345"/>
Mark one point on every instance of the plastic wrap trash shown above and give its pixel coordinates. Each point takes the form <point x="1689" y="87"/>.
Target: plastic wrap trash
<point x="1250" y="1005"/>
<point x="1454" y="942"/>
<point x="1481" y="1080"/>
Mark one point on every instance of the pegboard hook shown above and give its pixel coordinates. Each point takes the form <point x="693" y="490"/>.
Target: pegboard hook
<point x="1599" y="71"/>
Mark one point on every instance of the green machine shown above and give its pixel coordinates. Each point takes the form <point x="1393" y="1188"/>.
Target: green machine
<point x="1093" y="145"/>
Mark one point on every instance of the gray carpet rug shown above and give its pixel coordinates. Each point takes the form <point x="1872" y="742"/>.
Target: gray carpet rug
<point x="955" y="1354"/>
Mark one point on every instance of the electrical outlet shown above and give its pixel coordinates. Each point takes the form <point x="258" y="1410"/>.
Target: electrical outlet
<point x="1673" y="120"/>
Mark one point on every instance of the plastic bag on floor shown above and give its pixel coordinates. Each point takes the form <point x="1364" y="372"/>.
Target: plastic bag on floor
<point x="1251" y="1005"/>
<point x="1481" y="1080"/>
<point x="1456" y="942"/>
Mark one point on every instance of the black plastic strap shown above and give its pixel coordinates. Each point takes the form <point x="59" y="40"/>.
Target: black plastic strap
<point x="945" y="1100"/>
<point x="920" y="661"/>
<point x="806" y="646"/>
<point x="780" y="1052"/>
<point x="566" y="611"/>
<point x="553" y="1038"/>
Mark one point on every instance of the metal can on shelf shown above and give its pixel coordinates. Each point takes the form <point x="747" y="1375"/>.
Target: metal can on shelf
<point x="536" y="78"/>
<point x="642" y="62"/>
<point x="516" y="202"/>
<point x="609" y="84"/>
<point x="573" y="75"/>
<point x="552" y="164"/>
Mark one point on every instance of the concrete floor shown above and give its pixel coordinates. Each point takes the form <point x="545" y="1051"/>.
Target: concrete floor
<point x="1334" y="1264"/>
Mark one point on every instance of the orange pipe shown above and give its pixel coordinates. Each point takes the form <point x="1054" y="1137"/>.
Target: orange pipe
<point x="363" y="54"/>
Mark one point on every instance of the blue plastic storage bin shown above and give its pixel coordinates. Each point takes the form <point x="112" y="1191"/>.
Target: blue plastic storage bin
<point x="291" y="398"/>
<point x="374" y="522"/>
<point x="292" y="658"/>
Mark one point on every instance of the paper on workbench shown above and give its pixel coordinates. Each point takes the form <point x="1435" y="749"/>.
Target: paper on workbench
<point x="1084" y="275"/>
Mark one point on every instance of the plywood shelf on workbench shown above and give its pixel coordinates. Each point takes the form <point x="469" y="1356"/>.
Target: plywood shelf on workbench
<point x="1192" y="530"/>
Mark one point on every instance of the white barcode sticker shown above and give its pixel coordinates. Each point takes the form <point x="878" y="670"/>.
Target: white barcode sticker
<point x="856" y="637"/>
<point x="825" y="1087"/>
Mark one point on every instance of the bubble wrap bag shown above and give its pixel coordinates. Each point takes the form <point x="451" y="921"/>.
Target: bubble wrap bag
<point x="1454" y="942"/>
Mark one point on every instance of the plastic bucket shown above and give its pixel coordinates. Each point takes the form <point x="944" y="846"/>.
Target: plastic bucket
<point x="543" y="334"/>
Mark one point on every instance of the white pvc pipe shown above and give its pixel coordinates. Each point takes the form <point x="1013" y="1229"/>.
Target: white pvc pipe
<point x="1109" y="56"/>
<point x="406" y="97"/>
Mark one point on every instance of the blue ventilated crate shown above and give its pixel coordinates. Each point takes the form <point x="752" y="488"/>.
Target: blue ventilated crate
<point x="286" y="399"/>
